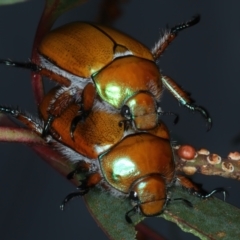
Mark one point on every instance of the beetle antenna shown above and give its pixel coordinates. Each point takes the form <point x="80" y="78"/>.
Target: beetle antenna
<point x="172" y="114"/>
<point x="28" y="65"/>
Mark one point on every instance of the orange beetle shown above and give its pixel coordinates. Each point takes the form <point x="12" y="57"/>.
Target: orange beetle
<point x="100" y="131"/>
<point x="106" y="112"/>
<point x="116" y="69"/>
<point x="135" y="165"/>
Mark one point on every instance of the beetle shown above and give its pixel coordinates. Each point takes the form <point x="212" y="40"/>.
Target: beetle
<point x="107" y="107"/>
<point x="116" y="68"/>
<point x="135" y="165"/>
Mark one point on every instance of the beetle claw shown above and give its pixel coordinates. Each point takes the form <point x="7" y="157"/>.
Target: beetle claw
<point x="180" y="27"/>
<point x="28" y="65"/>
<point x="71" y="196"/>
<point x="204" y="195"/>
<point x="204" y="113"/>
<point x="74" y="124"/>
<point x="76" y="120"/>
<point x="83" y="189"/>
<point x="127" y="217"/>
<point x="173" y="114"/>
<point x="47" y="125"/>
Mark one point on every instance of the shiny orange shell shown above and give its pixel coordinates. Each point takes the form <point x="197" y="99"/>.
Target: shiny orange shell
<point x="88" y="47"/>
<point x="141" y="163"/>
<point x="137" y="156"/>
<point x="96" y="134"/>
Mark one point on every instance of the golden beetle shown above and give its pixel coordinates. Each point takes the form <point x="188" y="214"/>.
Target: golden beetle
<point x="101" y="64"/>
<point x="105" y="114"/>
<point x="138" y="165"/>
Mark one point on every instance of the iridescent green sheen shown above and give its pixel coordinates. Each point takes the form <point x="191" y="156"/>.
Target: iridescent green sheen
<point x="114" y="93"/>
<point x="135" y="157"/>
<point x="125" y="77"/>
<point x="123" y="168"/>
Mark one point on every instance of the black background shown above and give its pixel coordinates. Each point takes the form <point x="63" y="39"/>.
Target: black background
<point x="204" y="60"/>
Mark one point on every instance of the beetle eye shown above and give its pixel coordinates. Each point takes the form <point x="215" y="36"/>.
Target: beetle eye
<point x="133" y="196"/>
<point x="125" y="112"/>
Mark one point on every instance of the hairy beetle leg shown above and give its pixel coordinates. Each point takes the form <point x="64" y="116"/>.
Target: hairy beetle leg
<point x="60" y="100"/>
<point x="32" y="124"/>
<point x="28" y="65"/>
<point x="36" y="68"/>
<point x="184" y="99"/>
<point x="169" y="36"/>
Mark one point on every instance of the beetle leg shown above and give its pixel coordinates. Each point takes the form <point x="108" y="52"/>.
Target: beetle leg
<point x="28" y="65"/>
<point x="87" y="100"/>
<point x="63" y="98"/>
<point x="28" y="121"/>
<point x="170" y="35"/>
<point x="36" y="68"/>
<point x="172" y="114"/>
<point x="82" y="167"/>
<point x="197" y="191"/>
<point x="91" y="180"/>
<point x="134" y="198"/>
<point x="71" y="196"/>
<point x="134" y="210"/>
<point x="184" y="99"/>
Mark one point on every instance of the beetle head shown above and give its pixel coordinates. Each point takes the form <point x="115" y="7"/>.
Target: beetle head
<point x="151" y="194"/>
<point x="126" y="76"/>
<point x="141" y="108"/>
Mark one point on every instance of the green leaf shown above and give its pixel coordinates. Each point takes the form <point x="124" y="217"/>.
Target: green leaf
<point x="8" y="2"/>
<point x="109" y="212"/>
<point x="208" y="219"/>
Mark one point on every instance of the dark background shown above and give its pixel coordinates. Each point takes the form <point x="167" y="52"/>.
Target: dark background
<point x="204" y="60"/>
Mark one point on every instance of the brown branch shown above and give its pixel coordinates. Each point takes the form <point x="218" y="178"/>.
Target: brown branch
<point x="144" y="232"/>
<point x="190" y="161"/>
<point x="109" y="11"/>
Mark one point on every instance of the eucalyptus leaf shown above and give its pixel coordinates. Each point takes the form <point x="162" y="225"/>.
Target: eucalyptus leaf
<point x="208" y="219"/>
<point x="8" y="2"/>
